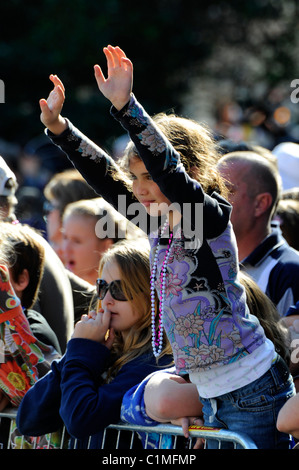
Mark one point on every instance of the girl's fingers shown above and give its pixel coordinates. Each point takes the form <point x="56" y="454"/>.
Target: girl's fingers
<point x="43" y="104"/>
<point x="46" y="112"/>
<point x="57" y="82"/>
<point x="106" y="316"/>
<point x="109" y="339"/>
<point x="128" y="63"/>
<point x="99" y="74"/>
<point x="85" y="317"/>
<point x="110" y="58"/>
<point x="120" y="52"/>
<point x="92" y="314"/>
<point x="55" y="100"/>
<point x="117" y="55"/>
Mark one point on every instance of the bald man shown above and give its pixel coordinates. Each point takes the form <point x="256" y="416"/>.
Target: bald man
<point x="254" y="190"/>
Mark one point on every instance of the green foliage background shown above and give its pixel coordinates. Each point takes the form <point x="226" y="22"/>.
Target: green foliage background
<point x="169" y="41"/>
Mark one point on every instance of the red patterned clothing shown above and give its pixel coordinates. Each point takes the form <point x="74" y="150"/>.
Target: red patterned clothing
<point x="21" y="353"/>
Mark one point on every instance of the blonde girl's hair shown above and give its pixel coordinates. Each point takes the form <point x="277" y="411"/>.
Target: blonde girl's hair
<point x="262" y="307"/>
<point x="132" y="260"/>
<point x="196" y="146"/>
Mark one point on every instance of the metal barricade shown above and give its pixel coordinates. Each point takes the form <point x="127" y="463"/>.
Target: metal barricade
<point x="134" y="432"/>
<point x="220" y="435"/>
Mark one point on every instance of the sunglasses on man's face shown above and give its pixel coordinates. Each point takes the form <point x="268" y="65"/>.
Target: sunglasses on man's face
<point x="114" y="288"/>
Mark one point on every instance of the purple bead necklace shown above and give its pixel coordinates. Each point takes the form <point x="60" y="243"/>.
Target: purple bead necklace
<point x="157" y="337"/>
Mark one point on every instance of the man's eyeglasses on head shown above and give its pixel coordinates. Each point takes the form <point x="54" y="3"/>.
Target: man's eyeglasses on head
<point x="48" y="207"/>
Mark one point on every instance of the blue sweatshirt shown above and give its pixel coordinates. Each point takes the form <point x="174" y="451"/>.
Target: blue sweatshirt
<point x="73" y="393"/>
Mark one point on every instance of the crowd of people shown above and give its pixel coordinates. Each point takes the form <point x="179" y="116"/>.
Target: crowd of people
<point x="164" y="287"/>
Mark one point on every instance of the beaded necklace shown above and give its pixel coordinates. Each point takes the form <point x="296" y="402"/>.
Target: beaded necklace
<point x="157" y="339"/>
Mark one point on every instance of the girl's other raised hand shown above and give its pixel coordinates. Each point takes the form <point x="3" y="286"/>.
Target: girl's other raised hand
<point x="117" y="87"/>
<point x="52" y="106"/>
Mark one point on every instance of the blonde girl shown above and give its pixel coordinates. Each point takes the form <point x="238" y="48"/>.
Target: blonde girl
<point x="109" y="352"/>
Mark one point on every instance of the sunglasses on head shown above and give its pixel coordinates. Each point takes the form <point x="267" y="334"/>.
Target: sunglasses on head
<point x="48" y="207"/>
<point x="114" y="288"/>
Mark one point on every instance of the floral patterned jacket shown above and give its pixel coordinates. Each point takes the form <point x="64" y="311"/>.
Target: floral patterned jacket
<point x="206" y="317"/>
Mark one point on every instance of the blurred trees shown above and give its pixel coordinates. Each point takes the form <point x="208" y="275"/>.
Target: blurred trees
<point x="171" y="43"/>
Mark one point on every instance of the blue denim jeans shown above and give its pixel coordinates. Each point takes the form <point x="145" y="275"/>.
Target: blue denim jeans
<point x="252" y="410"/>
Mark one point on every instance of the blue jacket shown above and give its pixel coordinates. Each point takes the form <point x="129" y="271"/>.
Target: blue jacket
<point x="73" y="393"/>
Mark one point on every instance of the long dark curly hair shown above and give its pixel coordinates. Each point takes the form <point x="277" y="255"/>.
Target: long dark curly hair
<point x="196" y="146"/>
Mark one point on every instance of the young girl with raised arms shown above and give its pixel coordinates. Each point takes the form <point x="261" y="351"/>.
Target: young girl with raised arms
<point x="109" y="352"/>
<point x="170" y="167"/>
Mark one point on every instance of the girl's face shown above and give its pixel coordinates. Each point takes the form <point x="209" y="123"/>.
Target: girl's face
<point x="146" y="190"/>
<point x="82" y="249"/>
<point x="123" y="314"/>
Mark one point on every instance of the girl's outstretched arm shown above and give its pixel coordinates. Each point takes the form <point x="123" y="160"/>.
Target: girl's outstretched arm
<point x="52" y="106"/>
<point x="169" y="397"/>
<point x="117" y="87"/>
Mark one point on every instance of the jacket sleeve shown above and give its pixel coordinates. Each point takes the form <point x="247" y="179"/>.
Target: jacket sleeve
<point x="102" y="173"/>
<point x="95" y="165"/>
<point x="88" y="406"/>
<point x="38" y="412"/>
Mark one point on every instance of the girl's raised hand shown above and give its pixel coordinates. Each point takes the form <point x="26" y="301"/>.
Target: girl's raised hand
<point x="117" y="87"/>
<point x="51" y="108"/>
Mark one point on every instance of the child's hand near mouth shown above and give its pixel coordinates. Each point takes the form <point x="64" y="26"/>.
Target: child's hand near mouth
<point x="96" y="327"/>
